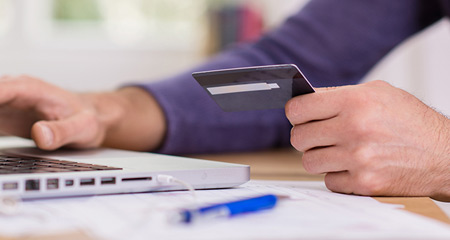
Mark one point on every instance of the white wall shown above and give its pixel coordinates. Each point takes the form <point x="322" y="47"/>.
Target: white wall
<point x="92" y="66"/>
<point x="92" y="70"/>
<point x="83" y="62"/>
<point x="421" y="66"/>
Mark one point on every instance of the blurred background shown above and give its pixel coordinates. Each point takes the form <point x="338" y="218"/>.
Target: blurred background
<point x="93" y="45"/>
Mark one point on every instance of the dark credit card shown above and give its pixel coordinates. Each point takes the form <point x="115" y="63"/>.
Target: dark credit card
<point x="254" y="88"/>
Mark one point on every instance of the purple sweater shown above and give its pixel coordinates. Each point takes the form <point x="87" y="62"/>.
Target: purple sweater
<point x="333" y="42"/>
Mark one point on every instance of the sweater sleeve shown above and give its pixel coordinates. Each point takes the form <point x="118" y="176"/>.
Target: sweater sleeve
<point x="332" y="42"/>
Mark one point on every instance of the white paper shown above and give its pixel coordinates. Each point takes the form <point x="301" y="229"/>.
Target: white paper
<point x="313" y="212"/>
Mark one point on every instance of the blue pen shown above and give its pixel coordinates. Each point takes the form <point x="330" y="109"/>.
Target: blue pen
<point x="229" y="209"/>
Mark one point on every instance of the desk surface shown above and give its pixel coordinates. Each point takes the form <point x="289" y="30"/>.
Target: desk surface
<point x="286" y="165"/>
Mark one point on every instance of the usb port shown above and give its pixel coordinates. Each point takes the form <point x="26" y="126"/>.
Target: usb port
<point x="32" y="184"/>
<point x="69" y="182"/>
<point x="10" y="186"/>
<point x="53" y="183"/>
<point x="108" y="180"/>
<point x="87" y="181"/>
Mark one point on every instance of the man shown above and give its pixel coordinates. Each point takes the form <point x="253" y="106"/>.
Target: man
<point x="369" y="139"/>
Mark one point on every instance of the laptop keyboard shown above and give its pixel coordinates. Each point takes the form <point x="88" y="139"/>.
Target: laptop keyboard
<point x="19" y="164"/>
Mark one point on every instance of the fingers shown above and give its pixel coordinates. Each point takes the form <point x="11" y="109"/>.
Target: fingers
<point x="27" y="89"/>
<point x="323" y="104"/>
<point x="80" y="130"/>
<point x="7" y="90"/>
<point x="324" y="160"/>
<point x="316" y="134"/>
<point x="43" y="136"/>
<point x="65" y="120"/>
<point x="339" y="182"/>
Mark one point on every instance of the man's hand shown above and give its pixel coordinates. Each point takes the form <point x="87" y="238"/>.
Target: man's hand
<point x="373" y="139"/>
<point x="53" y="117"/>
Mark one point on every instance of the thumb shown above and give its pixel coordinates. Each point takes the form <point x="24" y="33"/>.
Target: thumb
<point x="43" y="136"/>
<point x="79" y="130"/>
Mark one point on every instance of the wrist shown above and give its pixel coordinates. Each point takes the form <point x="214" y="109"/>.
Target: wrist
<point x="442" y="150"/>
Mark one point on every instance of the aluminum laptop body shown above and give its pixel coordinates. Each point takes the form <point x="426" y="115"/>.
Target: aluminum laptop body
<point x="107" y="171"/>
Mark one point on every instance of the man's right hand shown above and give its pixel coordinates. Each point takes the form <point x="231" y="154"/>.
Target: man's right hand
<point x="54" y="117"/>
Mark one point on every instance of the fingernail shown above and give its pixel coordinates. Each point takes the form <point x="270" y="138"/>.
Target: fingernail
<point x="47" y="135"/>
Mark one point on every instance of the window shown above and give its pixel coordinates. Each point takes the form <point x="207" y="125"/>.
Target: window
<point x="172" y="25"/>
<point x="162" y="24"/>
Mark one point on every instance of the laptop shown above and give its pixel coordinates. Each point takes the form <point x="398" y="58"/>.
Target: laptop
<point x="30" y="173"/>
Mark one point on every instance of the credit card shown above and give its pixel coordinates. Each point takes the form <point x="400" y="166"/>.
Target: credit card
<point x="254" y="88"/>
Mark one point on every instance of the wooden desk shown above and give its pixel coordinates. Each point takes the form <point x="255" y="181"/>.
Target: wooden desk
<point x="286" y="165"/>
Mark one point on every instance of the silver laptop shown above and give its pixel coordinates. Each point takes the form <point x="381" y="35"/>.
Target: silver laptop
<point x="30" y="173"/>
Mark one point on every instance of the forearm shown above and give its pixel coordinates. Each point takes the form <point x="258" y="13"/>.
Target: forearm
<point x="130" y="117"/>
